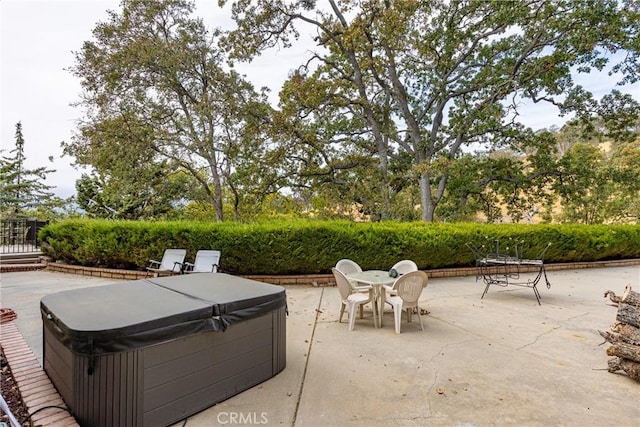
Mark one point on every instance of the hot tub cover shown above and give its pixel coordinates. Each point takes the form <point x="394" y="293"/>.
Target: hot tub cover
<point x="130" y="315"/>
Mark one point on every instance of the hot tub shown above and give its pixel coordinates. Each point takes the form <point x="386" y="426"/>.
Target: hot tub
<point x="152" y="352"/>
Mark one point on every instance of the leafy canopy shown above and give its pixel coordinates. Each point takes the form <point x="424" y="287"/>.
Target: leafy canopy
<point x="415" y="85"/>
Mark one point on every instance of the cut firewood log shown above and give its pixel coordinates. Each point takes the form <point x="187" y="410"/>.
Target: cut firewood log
<point x="630" y="297"/>
<point x="624" y="350"/>
<point x="612" y="296"/>
<point x="627" y="333"/>
<point x="632" y="369"/>
<point x="626" y="338"/>
<point x="628" y="314"/>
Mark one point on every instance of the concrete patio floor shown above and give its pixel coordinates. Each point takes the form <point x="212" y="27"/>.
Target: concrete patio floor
<point x="502" y="360"/>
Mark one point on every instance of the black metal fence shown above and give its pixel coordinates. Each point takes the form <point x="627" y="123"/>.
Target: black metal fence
<point x="20" y="235"/>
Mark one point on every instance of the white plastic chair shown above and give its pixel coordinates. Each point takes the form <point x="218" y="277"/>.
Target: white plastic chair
<point x="206" y="262"/>
<point x="352" y="299"/>
<point x="409" y="288"/>
<point x="346" y="267"/>
<point x="402" y="267"/>
<point x="405" y="266"/>
<point x="171" y="262"/>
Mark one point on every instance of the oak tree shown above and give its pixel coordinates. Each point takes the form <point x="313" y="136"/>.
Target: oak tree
<point x="425" y="81"/>
<point x="155" y="84"/>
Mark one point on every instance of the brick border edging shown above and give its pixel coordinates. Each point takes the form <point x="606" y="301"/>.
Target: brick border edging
<point x="8" y="268"/>
<point x="110" y="273"/>
<point x="35" y="386"/>
<point x="327" y="279"/>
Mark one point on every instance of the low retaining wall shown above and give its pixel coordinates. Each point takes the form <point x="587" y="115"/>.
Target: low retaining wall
<point x="111" y="273"/>
<point x="326" y="279"/>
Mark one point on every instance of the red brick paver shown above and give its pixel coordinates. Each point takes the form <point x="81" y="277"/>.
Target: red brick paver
<point x="37" y="390"/>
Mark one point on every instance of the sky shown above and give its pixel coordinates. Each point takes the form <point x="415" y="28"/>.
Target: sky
<point x="38" y="39"/>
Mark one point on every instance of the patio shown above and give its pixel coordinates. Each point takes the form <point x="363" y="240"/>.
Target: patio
<point x="503" y="360"/>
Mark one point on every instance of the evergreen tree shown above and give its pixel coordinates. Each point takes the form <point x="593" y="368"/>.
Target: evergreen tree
<point x="22" y="189"/>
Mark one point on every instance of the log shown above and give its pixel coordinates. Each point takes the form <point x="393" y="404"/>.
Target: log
<point x="624" y="350"/>
<point x="630" y="297"/>
<point x="623" y="333"/>
<point x="632" y="369"/>
<point x="612" y="296"/>
<point x="628" y="314"/>
<point x="627" y="333"/>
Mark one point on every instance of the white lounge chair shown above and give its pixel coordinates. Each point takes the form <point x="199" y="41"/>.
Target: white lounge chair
<point x="206" y="262"/>
<point x="172" y="262"/>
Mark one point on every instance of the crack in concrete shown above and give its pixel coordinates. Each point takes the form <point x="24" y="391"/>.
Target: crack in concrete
<point x="537" y="338"/>
<point x="558" y="326"/>
<point x="574" y="317"/>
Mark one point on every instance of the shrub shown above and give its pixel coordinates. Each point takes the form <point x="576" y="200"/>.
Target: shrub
<point x="305" y="246"/>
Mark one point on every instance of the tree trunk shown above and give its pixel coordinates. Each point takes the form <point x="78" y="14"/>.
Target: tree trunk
<point x="428" y="208"/>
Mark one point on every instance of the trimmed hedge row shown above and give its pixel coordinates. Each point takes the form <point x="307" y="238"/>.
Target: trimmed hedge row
<point x="305" y="247"/>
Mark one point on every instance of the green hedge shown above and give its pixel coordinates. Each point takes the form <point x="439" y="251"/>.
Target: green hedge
<point x="299" y="247"/>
